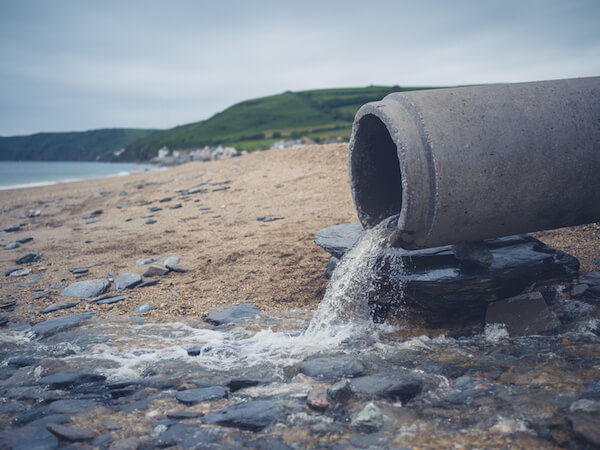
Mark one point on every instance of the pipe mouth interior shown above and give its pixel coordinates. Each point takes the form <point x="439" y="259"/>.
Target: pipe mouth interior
<point x="375" y="172"/>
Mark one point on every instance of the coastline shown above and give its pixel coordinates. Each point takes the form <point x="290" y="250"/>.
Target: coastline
<point x="229" y="256"/>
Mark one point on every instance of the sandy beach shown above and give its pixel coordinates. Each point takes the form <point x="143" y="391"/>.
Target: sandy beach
<point x="230" y="257"/>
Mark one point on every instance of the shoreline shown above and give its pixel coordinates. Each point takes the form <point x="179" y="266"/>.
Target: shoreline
<point x="207" y="214"/>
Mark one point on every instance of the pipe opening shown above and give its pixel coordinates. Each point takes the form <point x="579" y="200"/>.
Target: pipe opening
<point x="375" y="171"/>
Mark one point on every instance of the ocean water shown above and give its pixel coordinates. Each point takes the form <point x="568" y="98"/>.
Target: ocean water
<point x="17" y="174"/>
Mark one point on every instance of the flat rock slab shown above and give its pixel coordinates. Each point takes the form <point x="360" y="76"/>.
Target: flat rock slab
<point x="253" y="415"/>
<point x="53" y="326"/>
<point x="28" y="258"/>
<point x="193" y="396"/>
<point x="70" y="433"/>
<point x="394" y="387"/>
<point x="156" y="271"/>
<point x="332" y="368"/>
<point x="233" y="314"/>
<point x="433" y="280"/>
<point x="40" y="439"/>
<point x="58" y="306"/>
<point x="127" y="281"/>
<point x="87" y="288"/>
<point x="523" y="315"/>
<point x="109" y="299"/>
<point x="69" y="378"/>
<point x="338" y="239"/>
<point x="190" y="436"/>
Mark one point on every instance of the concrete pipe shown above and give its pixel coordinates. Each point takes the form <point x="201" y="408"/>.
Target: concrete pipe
<point x="472" y="163"/>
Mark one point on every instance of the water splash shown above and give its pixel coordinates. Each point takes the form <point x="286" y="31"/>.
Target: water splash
<point x="353" y="282"/>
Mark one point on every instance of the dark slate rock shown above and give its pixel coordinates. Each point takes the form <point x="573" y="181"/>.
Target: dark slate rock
<point x="269" y="219"/>
<point x="253" y="415"/>
<point x="195" y="350"/>
<point x="154" y="209"/>
<point x="109" y="299"/>
<point x="592" y="391"/>
<point x="193" y="396"/>
<point x="58" y="306"/>
<point x="155" y="271"/>
<point x="165" y="199"/>
<point x="93" y="214"/>
<point x="102" y="441"/>
<point x="332" y="368"/>
<point x="475" y="254"/>
<point x="53" y="326"/>
<point x="79" y="270"/>
<point x="190" y="436"/>
<point x="40" y="439"/>
<point x="394" y="387"/>
<point x="87" y="288"/>
<point x="317" y="399"/>
<point x="123" y="392"/>
<point x="3" y="320"/>
<point x="241" y="383"/>
<point x="144" y="261"/>
<point x="233" y="314"/>
<point x="42" y="295"/>
<point x="68" y="433"/>
<point x="33" y="213"/>
<point x="130" y="443"/>
<point x="338" y="239"/>
<point x="176" y="206"/>
<point x="12" y="228"/>
<point x="181" y="415"/>
<point x="340" y="392"/>
<point x="586" y="427"/>
<point x="8" y="306"/>
<point x="24" y="240"/>
<point x="12" y="246"/>
<point x="523" y="315"/>
<point x="578" y="290"/>
<point x="269" y="443"/>
<point x="144" y="308"/>
<point x="592" y="279"/>
<point x="70" y="378"/>
<point x="127" y="281"/>
<point x="331" y="265"/>
<point x="31" y="281"/>
<point x="7" y="272"/>
<point x="150" y="221"/>
<point x="368" y="420"/>
<point x="28" y="258"/>
<point x="52" y="418"/>
<point x="148" y="283"/>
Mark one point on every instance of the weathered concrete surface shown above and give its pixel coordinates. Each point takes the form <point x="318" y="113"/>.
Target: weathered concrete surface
<point x="472" y="163"/>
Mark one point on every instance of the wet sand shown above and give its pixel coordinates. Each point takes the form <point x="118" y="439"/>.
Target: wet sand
<point x="230" y="256"/>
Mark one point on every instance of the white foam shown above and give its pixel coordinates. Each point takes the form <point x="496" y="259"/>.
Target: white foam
<point x="495" y="332"/>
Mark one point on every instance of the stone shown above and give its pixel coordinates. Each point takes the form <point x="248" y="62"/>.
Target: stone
<point x="88" y="222"/>
<point x="144" y="261"/>
<point x="176" y="206"/>
<point x="597" y="261"/>
<point x="190" y="436"/>
<point x="171" y="261"/>
<point x="317" y="399"/>
<point x="52" y="418"/>
<point x="233" y="314"/>
<point x="592" y="391"/>
<point x="8" y="306"/>
<point x="368" y="420"/>
<point x="68" y="433"/>
<point x="394" y="387"/>
<point x="33" y="213"/>
<point x="592" y="279"/>
<point x="19" y="272"/>
<point x="24" y="240"/>
<point x="332" y="368"/>
<point x="193" y="396"/>
<point x="79" y="270"/>
<point x="71" y="406"/>
<point x="42" y="295"/>
<point x="338" y="239"/>
<point x="586" y="427"/>
<point x="578" y="290"/>
<point x="31" y="281"/>
<point x="12" y="228"/>
<point x="58" y="306"/>
<point x="585" y="405"/>
<point x="165" y="199"/>
<point x="12" y="246"/>
<point x="523" y="315"/>
<point x="28" y="258"/>
<point x="253" y="415"/>
<point x="474" y="254"/>
<point x="155" y="271"/>
<point x="150" y="221"/>
<point x="93" y="214"/>
<point x="269" y="219"/>
<point x="40" y="439"/>
<point x="144" y="308"/>
<point x="340" y="392"/>
<point x="69" y="378"/>
<point x="130" y="443"/>
<point x="241" y="383"/>
<point x="127" y="281"/>
<point x="109" y="299"/>
<point x="331" y="265"/>
<point x="87" y="288"/>
<point x="3" y="320"/>
<point x="148" y="283"/>
<point x="184" y="414"/>
<point x="53" y="326"/>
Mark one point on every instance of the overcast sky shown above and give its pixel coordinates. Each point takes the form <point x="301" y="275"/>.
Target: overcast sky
<point x="77" y="65"/>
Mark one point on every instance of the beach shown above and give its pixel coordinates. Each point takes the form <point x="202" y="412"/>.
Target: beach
<point x="227" y="254"/>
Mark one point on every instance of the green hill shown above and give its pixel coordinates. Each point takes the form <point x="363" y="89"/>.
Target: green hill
<point x="71" y="146"/>
<point x="255" y="124"/>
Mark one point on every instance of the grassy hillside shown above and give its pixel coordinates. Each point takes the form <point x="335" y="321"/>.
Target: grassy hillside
<point x="72" y="146"/>
<point x="253" y="124"/>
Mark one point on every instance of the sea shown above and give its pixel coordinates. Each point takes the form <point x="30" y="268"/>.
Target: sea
<point x="19" y="174"/>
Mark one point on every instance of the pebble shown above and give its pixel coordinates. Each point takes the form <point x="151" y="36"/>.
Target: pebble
<point x="18" y="272"/>
<point x="12" y="228"/>
<point x="130" y="443"/>
<point x="58" y="306"/>
<point x="127" y="281"/>
<point x="193" y="396"/>
<point x="332" y="368"/>
<point x="28" y="258"/>
<point x="394" y="387"/>
<point x="109" y="299"/>
<point x="184" y="414"/>
<point x="33" y="213"/>
<point x="368" y="420"/>
<point x="87" y="288"/>
<point x="148" y="283"/>
<point x="269" y="219"/>
<point x="24" y="240"/>
<point x="233" y="314"/>
<point x="340" y="392"/>
<point x="12" y="246"/>
<point x="171" y="261"/>
<point x="176" y="206"/>
<point x="190" y="436"/>
<point x="79" y="270"/>
<point x="144" y="308"/>
<point x="150" y="221"/>
<point x="165" y="199"/>
<point x="253" y="415"/>
<point x="93" y="214"/>
<point x="317" y="399"/>
<point x="88" y="222"/>
<point x="144" y="261"/>
<point x="155" y="209"/>
<point x="155" y="271"/>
